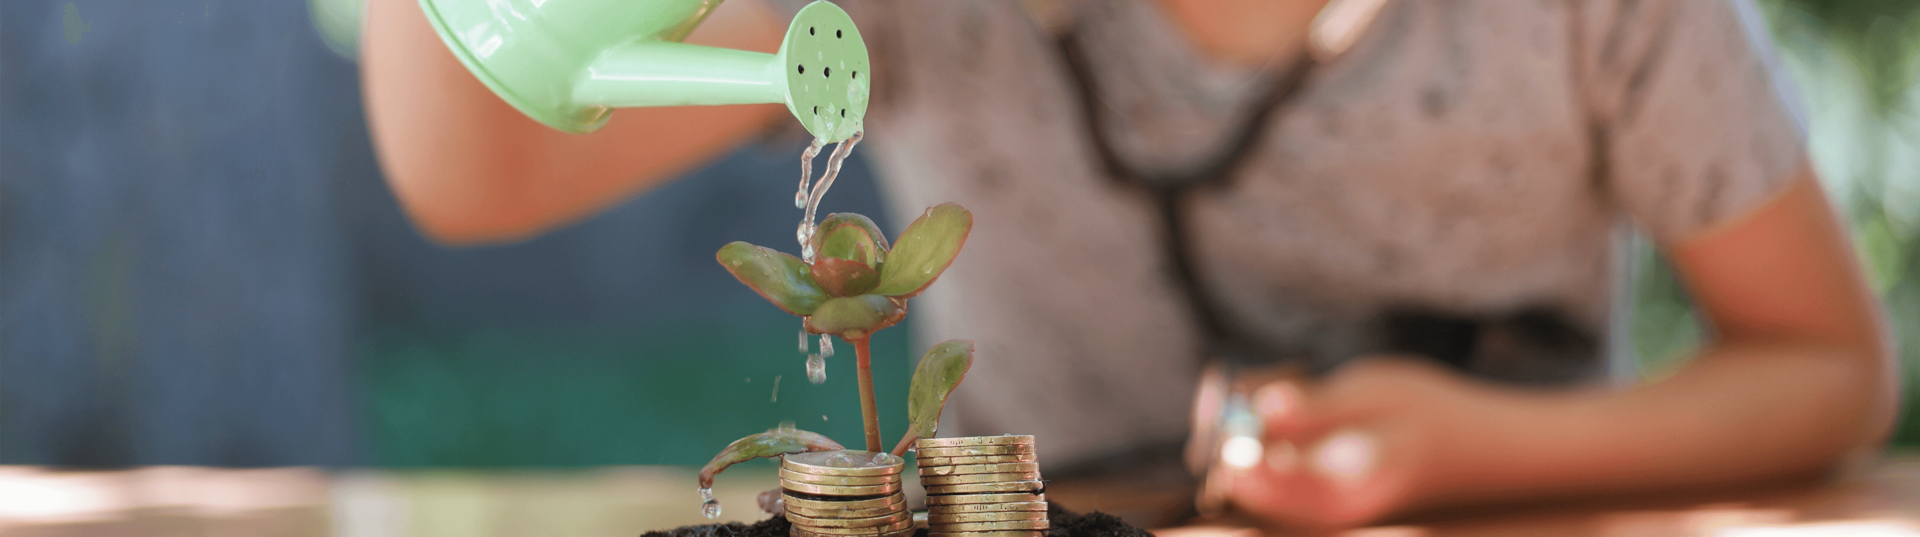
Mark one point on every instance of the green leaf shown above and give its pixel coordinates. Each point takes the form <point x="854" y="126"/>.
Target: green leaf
<point x="924" y="250"/>
<point x="780" y="278"/>
<point x="850" y="236"/>
<point x="844" y="277"/>
<point x="778" y="441"/>
<point x="937" y="375"/>
<point x="856" y="317"/>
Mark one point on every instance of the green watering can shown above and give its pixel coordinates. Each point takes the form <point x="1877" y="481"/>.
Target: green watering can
<point x="568" y="63"/>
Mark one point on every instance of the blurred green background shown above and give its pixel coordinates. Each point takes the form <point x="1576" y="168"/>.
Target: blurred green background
<point x="1857" y="63"/>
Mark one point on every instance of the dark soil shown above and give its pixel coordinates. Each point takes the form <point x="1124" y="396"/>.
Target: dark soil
<point x="1065" y="524"/>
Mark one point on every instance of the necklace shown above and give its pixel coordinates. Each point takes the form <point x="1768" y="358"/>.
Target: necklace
<point x="1170" y="191"/>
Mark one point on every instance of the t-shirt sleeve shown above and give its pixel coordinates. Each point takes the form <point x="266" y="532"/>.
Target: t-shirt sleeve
<point x="1695" y="118"/>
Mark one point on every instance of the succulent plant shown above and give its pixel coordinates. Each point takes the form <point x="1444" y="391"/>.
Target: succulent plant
<point x="856" y="285"/>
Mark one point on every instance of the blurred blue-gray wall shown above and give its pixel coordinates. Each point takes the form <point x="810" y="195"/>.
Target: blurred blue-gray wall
<point x="200" y="264"/>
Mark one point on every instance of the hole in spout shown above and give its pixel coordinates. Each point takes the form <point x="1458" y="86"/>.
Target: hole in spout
<point x="836" y="34"/>
<point x="803" y="69"/>
<point x="828" y="72"/>
<point x="809" y="30"/>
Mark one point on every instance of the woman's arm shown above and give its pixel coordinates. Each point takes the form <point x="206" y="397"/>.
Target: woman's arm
<point x="469" y="168"/>
<point x="1799" y="375"/>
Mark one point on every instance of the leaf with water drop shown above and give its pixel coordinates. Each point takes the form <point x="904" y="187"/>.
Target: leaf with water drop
<point x="924" y="250"/>
<point x="843" y="277"/>
<point x="850" y="236"/>
<point x="939" y="372"/>
<point x="773" y="443"/>
<point x="856" y="317"/>
<point x="780" y="278"/>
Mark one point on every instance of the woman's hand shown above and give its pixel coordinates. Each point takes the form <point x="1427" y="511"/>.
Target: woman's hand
<point x="1799" y="377"/>
<point x="1365" y="443"/>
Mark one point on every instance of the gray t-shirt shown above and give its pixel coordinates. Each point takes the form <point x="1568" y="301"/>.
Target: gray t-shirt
<point x="1465" y="164"/>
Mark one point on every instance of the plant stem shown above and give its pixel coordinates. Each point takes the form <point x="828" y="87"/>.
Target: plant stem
<point x="868" y="413"/>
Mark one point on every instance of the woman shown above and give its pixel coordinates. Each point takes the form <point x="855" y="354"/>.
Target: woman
<point x="1419" y="201"/>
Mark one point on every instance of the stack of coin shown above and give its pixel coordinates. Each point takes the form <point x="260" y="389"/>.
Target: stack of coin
<point x="845" y="493"/>
<point x="982" y="486"/>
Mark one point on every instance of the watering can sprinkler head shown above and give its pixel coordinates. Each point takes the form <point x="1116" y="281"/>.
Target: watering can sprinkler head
<point x="568" y="63"/>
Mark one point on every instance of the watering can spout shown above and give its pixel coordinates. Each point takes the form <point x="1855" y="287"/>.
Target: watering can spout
<point x="567" y="63"/>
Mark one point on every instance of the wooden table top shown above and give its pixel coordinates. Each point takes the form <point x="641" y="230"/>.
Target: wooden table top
<point x="1883" y="500"/>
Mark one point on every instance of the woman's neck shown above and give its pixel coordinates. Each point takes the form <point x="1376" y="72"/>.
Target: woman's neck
<point x="1246" y="31"/>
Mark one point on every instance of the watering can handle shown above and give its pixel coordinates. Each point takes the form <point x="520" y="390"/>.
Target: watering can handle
<point x="567" y="63"/>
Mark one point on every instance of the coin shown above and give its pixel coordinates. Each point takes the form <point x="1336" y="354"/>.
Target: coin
<point x="962" y="469"/>
<point x="837" y="512"/>
<point x="993" y="526"/>
<point x="978" y="488"/>
<point x="866" y="522"/>
<point x="843" y="463"/>
<point x="962" y="451"/>
<point x="1002" y="440"/>
<point x="926" y="462"/>
<point x="979" y="478"/>
<point x="809" y="503"/>
<point x="966" y="499"/>
<point x="1004" y="533"/>
<point x="995" y="516"/>
<point x="957" y="508"/>
<point x="798" y="477"/>
<point x="873" y="530"/>
<point x="797" y="531"/>
<point x="841" y="490"/>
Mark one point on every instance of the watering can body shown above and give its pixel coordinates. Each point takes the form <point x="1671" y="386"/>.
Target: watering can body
<point x="568" y="63"/>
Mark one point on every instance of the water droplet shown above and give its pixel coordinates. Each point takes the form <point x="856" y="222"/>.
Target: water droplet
<point x="803" y="340"/>
<point x="823" y="417"/>
<point x="816" y="369"/>
<point x="709" y="506"/>
<point x="826" y="346"/>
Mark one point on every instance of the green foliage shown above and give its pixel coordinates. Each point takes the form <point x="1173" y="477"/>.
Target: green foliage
<point x="856" y="317"/>
<point x="939" y="372"/>
<point x="855" y="285"/>
<point x="925" y="249"/>
<point x="782" y="279"/>
<point x="778" y="441"/>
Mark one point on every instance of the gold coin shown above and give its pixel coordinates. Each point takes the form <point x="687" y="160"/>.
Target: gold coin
<point x="926" y="462"/>
<point x="797" y="531"/>
<point x="872" y="530"/>
<point x="865" y="512"/>
<point x="1006" y="533"/>
<point x="954" y="509"/>
<point x="979" y="478"/>
<point x="993" y="526"/>
<point x="968" y="499"/>
<point x="845" y="481"/>
<point x="987" y="488"/>
<point x="995" y="516"/>
<point x="963" y="451"/>
<point x="1003" y="440"/>
<point x="963" y="469"/>
<point x="841" y="490"/>
<point x="866" y="522"/>
<point x="843" y="463"/>
<point x="828" y="505"/>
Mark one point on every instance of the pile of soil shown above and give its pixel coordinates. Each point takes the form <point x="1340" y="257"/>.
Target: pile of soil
<point x="1065" y="524"/>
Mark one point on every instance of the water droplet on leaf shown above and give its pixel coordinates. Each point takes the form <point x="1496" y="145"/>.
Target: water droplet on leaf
<point x="708" y="506"/>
